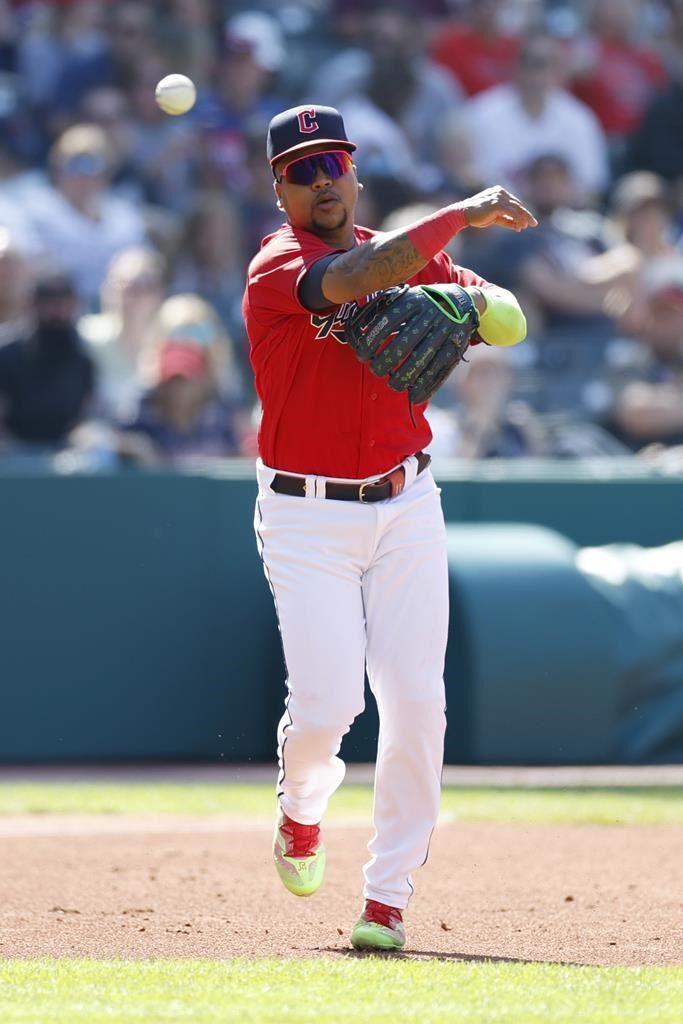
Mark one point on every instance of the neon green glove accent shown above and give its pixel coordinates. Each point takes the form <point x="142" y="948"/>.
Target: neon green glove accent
<point x="440" y="297"/>
<point x="502" y="323"/>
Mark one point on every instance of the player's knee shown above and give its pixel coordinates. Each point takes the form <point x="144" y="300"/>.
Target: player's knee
<point x="410" y="687"/>
<point x="423" y="714"/>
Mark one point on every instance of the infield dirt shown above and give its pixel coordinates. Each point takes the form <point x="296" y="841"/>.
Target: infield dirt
<point x="130" y="887"/>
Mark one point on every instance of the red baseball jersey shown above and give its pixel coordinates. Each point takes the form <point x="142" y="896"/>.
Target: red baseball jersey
<point x="323" y="412"/>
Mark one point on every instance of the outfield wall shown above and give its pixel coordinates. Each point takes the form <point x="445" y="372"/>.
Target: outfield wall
<point x="136" y="623"/>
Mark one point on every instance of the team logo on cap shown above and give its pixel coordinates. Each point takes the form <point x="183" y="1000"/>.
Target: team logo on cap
<point x="307" y="121"/>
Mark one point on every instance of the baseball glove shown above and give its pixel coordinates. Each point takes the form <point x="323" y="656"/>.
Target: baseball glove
<point x="415" y="336"/>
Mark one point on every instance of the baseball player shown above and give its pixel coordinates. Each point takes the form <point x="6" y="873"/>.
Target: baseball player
<point x="350" y="331"/>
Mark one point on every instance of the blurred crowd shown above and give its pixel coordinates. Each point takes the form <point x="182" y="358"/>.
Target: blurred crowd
<point x="125" y="233"/>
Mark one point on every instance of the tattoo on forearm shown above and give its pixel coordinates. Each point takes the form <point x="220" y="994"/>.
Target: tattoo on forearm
<point x="382" y="261"/>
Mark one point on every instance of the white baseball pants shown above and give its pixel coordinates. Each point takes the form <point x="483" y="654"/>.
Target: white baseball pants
<point x="359" y="585"/>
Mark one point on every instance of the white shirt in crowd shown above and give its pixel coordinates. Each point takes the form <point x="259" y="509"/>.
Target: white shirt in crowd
<point x="504" y="138"/>
<point x="50" y="228"/>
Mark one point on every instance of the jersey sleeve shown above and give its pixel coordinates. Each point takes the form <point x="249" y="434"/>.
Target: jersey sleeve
<point x="276" y="273"/>
<point x="443" y="269"/>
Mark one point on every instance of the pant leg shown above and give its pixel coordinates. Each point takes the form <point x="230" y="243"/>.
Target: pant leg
<point x="406" y="603"/>
<point x="312" y="551"/>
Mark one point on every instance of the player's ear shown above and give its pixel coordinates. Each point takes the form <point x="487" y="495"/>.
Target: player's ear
<point x="278" y="199"/>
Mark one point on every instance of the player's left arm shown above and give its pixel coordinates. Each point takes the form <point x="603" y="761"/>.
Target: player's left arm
<point x="501" y="320"/>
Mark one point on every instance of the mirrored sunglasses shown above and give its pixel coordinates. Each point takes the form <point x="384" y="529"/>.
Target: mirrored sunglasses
<point x="197" y="333"/>
<point x="303" y="171"/>
<point x="87" y="165"/>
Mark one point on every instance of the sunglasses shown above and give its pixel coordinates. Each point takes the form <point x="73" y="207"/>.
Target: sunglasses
<point x="303" y="171"/>
<point x="86" y="165"/>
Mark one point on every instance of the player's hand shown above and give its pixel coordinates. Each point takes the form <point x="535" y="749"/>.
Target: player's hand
<point x="496" y="206"/>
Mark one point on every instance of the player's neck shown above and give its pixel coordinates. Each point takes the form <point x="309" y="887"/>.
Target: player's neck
<point x="338" y="238"/>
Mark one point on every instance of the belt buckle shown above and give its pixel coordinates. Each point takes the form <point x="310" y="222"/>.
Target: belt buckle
<point x="396" y="480"/>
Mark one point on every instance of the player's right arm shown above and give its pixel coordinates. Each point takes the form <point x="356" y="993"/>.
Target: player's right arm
<point x="394" y="257"/>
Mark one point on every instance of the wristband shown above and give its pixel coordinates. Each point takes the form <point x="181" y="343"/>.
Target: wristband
<point x="432" y="233"/>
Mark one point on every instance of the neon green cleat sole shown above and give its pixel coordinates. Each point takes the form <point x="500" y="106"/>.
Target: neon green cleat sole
<point x="370" y="935"/>
<point x="302" y="876"/>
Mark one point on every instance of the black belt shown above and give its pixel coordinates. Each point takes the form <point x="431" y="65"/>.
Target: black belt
<point x="378" y="490"/>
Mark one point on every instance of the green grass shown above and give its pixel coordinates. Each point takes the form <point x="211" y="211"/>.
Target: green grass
<point x="627" y="806"/>
<point x="370" y="990"/>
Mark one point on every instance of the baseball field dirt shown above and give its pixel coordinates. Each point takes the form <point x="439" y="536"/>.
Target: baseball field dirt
<point x="100" y="886"/>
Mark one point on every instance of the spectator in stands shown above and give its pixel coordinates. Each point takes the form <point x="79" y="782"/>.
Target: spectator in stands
<point x="260" y="215"/>
<point x="349" y="17"/>
<point x="111" y="57"/>
<point x="15" y="289"/>
<point x="385" y="150"/>
<point x="476" y="47"/>
<point x="76" y="221"/>
<point x="647" y="405"/>
<point x="20" y="134"/>
<point x="475" y="417"/>
<point x="163" y="149"/>
<point x="8" y="36"/>
<point x="569" y="325"/>
<point x="383" y="194"/>
<point x="210" y="261"/>
<point x="395" y="100"/>
<point x="210" y="258"/>
<point x="190" y="37"/>
<point x="46" y="379"/>
<point x="657" y="143"/>
<point x="107" y="107"/>
<point x="36" y="57"/>
<point x="56" y="37"/>
<point x="548" y="267"/>
<point x="244" y="96"/>
<point x="671" y="43"/>
<point x="131" y="295"/>
<point x="641" y="211"/>
<point x="186" y="411"/>
<point x="641" y="203"/>
<point x="613" y="72"/>
<point x="504" y="128"/>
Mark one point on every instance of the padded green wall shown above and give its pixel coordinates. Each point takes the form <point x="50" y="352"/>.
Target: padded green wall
<point x="135" y="621"/>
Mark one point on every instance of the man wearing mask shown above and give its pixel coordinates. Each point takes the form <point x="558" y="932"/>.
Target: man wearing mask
<point x="46" y="378"/>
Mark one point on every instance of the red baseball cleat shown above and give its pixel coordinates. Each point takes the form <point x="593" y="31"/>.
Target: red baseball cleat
<point x="299" y="856"/>
<point x="380" y="927"/>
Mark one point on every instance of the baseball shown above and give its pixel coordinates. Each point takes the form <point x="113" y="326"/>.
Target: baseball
<point x="176" y="94"/>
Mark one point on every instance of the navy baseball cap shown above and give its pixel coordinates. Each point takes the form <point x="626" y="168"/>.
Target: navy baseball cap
<point x="299" y="127"/>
